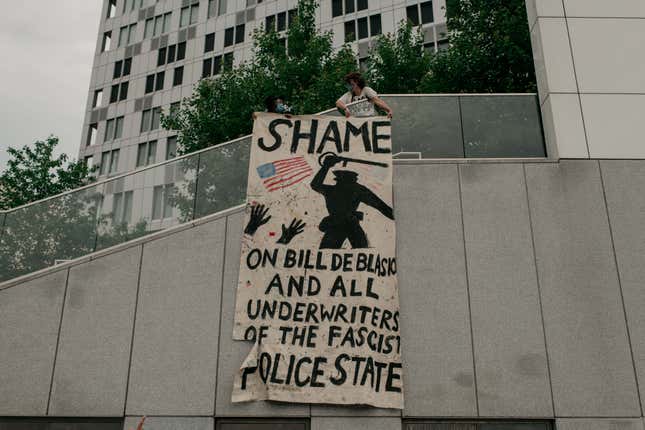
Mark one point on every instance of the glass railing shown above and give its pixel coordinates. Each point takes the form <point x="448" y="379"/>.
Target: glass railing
<point x="160" y="196"/>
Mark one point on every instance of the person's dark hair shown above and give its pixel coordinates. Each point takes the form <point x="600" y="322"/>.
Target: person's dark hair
<point x="355" y="76"/>
<point x="269" y="102"/>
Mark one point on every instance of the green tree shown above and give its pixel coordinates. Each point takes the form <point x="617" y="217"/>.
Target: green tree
<point x="303" y="67"/>
<point x="398" y="62"/>
<point x="490" y="49"/>
<point x="33" y="173"/>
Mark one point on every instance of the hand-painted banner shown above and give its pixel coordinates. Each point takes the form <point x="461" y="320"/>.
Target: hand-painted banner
<point x="317" y="290"/>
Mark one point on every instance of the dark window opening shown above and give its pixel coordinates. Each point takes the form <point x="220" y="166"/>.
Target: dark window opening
<point x="362" y="28"/>
<point x="427" y="15"/>
<point x="349" y="6"/>
<point x="375" y="25"/>
<point x="412" y="13"/>
<point x="178" y="78"/>
<point x="350" y="31"/>
<point x="229" y="34"/>
<point x="282" y="21"/>
<point x="239" y="33"/>
<point x="209" y="43"/>
<point x="336" y="8"/>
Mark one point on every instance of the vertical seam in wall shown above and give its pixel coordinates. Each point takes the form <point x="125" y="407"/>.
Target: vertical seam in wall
<point x="537" y="280"/>
<point x="463" y="138"/>
<point x="221" y="306"/>
<point x="60" y="327"/>
<point x="620" y="287"/>
<point x="134" y="325"/>
<point x="575" y="77"/>
<point x="470" y="314"/>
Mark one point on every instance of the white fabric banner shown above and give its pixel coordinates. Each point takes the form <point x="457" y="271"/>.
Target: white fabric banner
<point x="317" y="290"/>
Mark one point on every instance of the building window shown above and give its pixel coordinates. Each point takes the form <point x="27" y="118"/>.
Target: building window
<point x="107" y="41"/>
<point x="209" y="42"/>
<point x="375" y="25"/>
<point x="97" y="99"/>
<point x="350" y="6"/>
<point x="336" y="8"/>
<point x="127" y="34"/>
<point x="158" y="25"/>
<point x="282" y="21"/>
<point x="111" y="12"/>
<point x="109" y="162"/>
<point x="221" y="7"/>
<point x="114" y="161"/>
<point x="292" y="14"/>
<point x="122" y="207"/>
<point x="212" y="8"/>
<point x="119" y="92"/>
<point x="350" y="31"/>
<point x="161" y="201"/>
<point x="171" y="147"/>
<point x="147" y="153"/>
<point x="92" y="131"/>
<point x="155" y="82"/>
<point x="229" y="34"/>
<point x="89" y="161"/>
<point x="178" y="77"/>
<point x="363" y="32"/>
<point x="113" y="129"/>
<point x="130" y="5"/>
<point x="122" y="68"/>
<point x="105" y="162"/>
<point x="188" y="15"/>
<point x="239" y="33"/>
<point x="150" y="119"/>
<point x="171" y="54"/>
<point x="227" y="64"/>
<point x="427" y="16"/>
<point x="269" y="23"/>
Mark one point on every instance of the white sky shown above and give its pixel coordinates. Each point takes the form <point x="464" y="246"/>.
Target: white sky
<point x="46" y="50"/>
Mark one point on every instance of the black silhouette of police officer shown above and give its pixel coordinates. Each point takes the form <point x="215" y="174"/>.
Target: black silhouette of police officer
<point x="342" y="201"/>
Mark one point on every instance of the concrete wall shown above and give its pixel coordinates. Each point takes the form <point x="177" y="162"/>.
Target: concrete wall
<point x="520" y="287"/>
<point x="589" y="66"/>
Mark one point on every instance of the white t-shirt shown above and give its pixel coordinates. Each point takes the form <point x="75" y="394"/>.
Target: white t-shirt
<point x="364" y="107"/>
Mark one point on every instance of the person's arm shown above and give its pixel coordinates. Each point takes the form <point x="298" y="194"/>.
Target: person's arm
<point x="380" y="103"/>
<point x="371" y="199"/>
<point x="317" y="183"/>
<point x="340" y="104"/>
<point x="140" y="426"/>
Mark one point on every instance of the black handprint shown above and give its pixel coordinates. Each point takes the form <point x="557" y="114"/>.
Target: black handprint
<point x="257" y="219"/>
<point x="294" y="229"/>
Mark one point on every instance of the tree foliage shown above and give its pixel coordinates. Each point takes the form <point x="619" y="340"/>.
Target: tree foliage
<point x="33" y="173"/>
<point x="490" y="49"/>
<point x="303" y="67"/>
<point x="398" y="62"/>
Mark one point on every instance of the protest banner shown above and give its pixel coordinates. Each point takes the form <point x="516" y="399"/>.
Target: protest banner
<point x="317" y="291"/>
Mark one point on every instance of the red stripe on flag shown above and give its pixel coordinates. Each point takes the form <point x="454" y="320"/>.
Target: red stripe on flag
<point x="291" y="183"/>
<point x="275" y="180"/>
<point x="288" y="161"/>
<point x="290" y="166"/>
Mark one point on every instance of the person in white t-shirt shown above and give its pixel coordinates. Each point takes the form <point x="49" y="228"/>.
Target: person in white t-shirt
<point x="364" y="95"/>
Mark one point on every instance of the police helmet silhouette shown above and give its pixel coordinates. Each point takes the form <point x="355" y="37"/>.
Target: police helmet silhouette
<point x="345" y="175"/>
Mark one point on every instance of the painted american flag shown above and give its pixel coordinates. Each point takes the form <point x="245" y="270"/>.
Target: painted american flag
<point x="281" y="174"/>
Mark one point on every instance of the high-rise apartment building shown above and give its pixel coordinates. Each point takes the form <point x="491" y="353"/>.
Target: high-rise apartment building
<point x="151" y="53"/>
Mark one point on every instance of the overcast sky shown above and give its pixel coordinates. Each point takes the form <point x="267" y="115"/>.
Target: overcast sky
<point x="47" y="50"/>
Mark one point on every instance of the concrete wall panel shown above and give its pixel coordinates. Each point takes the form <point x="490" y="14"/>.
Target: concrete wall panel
<point x="599" y="424"/>
<point x="601" y="9"/>
<point x="510" y="355"/>
<point x="602" y="63"/>
<point x="29" y="321"/>
<point x="335" y="423"/>
<point x="591" y="367"/>
<point x="94" y="348"/>
<point x="174" y="357"/>
<point x="435" y="327"/>
<point x="624" y="184"/>
<point x="232" y="353"/>
<point x="614" y="124"/>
